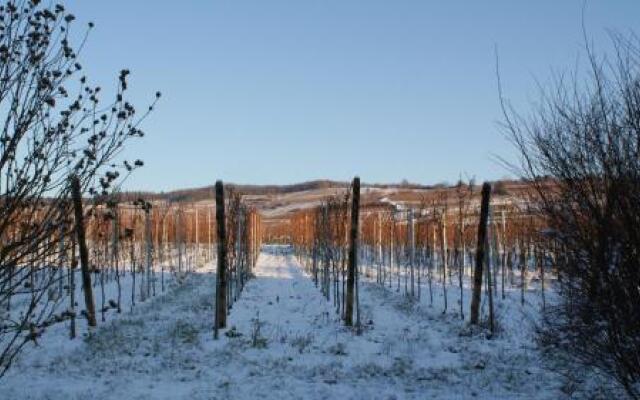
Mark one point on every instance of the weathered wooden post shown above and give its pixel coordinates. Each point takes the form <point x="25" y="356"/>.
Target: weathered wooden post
<point x="165" y="246"/>
<point x="239" y="253"/>
<point x="84" y="254"/>
<point x="379" y="250"/>
<point x="392" y="248"/>
<point x="445" y="264"/>
<point x="197" y="246"/>
<point x="178" y="237"/>
<point x="72" y="288"/>
<point x="480" y="247"/>
<point x="353" y="251"/>
<point x="221" y="279"/>
<point x="411" y="242"/>
<point x="326" y="253"/>
<point x="148" y="246"/>
<point x="61" y="261"/>
<point x="209" y="247"/>
<point x="461" y="260"/>
<point x="490" y="273"/>
<point x="115" y="259"/>
<point x="503" y="248"/>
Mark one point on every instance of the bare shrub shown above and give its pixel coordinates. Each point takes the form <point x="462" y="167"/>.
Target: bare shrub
<point x="581" y="151"/>
<point x="54" y="125"/>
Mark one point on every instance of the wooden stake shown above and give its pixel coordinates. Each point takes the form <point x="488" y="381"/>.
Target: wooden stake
<point x="221" y="279"/>
<point x="480" y="249"/>
<point x="353" y="251"/>
<point x="84" y="254"/>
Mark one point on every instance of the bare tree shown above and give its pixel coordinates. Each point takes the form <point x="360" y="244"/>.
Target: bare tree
<point x="581" y="151"/>
<point x="53" y="125"/>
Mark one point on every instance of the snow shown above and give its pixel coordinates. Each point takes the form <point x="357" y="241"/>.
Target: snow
<point x="164" y="348"/>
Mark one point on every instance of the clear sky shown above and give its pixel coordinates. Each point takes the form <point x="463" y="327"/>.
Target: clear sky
<point x="285" y="91"/>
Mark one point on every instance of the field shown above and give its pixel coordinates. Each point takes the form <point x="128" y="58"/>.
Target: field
<point x="286" y="340"/>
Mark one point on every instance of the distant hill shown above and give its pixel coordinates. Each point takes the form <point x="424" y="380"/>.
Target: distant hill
<point x="206" y="192"/>
<point x="279" y="201"/>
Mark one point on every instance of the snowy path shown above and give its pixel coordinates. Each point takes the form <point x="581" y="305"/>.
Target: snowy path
<point x="165" y="350"/>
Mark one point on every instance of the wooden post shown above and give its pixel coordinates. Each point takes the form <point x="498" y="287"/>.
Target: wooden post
<point x="391" y="247"/>
<point x="148" y="246"/>
<point x="61" y="262"/>
<point x="480" y="247"/>
<point x="445" y="264"/>
<point x="379" y="250"/>
<point x="115" y="259"/>
<point x="72" y="288"/>
<point x="411" y="245"/>
<point x="155" y="247"/>
<point x="503" y="247"/>
<point x="210" y="246"/>
<point x="461" y="261"/>
<point x="490" y="273"/>
<point x="353" y="251"/>
<point x="238" y="260"/>
<point x="178" y="237"/>
<point x="84" y="254"/>
<point x="197" y="238"/>
<point x="542" y="258"/>
<point x="165" y="242"/>
<point x="326" y="253"/>
<point x="221" y="279"/>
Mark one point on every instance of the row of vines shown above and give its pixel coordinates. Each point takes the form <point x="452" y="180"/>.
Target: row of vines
<point x="113" y="255"/>
<point x="425" y="249"/>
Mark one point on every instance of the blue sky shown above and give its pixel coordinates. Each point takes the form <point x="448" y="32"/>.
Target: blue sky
<point x="285" y="91"/>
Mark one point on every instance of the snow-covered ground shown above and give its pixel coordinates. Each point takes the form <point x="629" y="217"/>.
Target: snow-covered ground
<point x="284" y="342"/>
